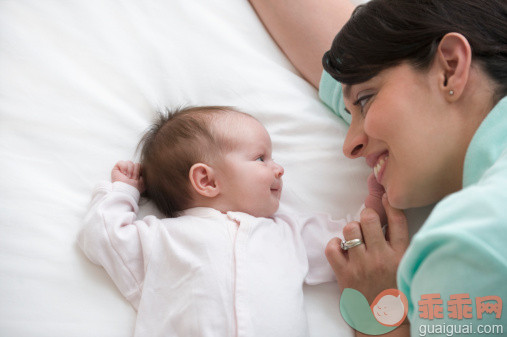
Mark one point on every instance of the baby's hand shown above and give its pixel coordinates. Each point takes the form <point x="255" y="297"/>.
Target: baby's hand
<point x="129" y="173"/>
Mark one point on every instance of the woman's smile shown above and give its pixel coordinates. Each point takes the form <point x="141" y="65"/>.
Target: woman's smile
<point x="378" y="162"/>
<point x="379" y="169"/>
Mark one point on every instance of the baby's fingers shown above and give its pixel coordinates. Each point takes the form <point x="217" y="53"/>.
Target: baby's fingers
<point x="140" y="185"/>
<point x="137" y="171"/>
<point x="120" y="167"/>
<point x="130" y="170"/>
<point x="122" y="170"/>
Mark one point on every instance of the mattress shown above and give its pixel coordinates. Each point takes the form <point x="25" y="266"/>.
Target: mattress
<point x="80" y="81"/>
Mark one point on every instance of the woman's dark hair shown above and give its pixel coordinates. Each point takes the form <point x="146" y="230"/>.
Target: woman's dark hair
<point x="384" y="33"/>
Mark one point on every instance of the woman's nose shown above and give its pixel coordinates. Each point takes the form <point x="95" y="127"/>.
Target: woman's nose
<point x="355" y="142"/>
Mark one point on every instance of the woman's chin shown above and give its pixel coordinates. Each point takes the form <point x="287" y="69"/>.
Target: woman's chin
<point x="407" y="200"/>
<point x="397" y="200"/>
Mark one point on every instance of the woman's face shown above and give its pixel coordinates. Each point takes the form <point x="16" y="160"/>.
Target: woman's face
<point x="403" y="126"/>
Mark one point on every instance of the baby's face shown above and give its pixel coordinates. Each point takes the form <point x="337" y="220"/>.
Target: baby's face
<point x="250" y="181"/>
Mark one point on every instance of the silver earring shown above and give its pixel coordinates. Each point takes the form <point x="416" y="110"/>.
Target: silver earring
<point x="451" y="92"/>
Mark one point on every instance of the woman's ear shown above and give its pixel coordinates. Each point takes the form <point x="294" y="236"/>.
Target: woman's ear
<point x="454" y="57"/>
<point x="203" y="180"/>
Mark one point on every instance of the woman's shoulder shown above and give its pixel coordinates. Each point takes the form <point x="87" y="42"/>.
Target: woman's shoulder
<point x="461" y="243"/>
<point x="478" y="211"/>
<point x="459" y="251"/>
<point x="478" y="207"/>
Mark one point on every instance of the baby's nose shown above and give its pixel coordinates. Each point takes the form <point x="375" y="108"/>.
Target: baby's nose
<point x="279" y="171"/>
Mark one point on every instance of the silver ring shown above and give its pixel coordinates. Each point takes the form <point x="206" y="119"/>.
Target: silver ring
<point x="346" y="245"/>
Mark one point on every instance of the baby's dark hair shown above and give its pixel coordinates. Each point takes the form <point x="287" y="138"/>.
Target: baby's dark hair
<point x="177" y="140"/>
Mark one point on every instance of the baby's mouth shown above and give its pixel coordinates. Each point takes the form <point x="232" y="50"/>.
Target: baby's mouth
<point x="277" y="189"/>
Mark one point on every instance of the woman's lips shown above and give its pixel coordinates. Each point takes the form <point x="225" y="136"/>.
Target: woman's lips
<point x="372" y="159"/>
<point x="380" y="167"/>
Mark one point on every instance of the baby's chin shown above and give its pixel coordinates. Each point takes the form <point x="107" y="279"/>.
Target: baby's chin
<point x="267" y="212"/>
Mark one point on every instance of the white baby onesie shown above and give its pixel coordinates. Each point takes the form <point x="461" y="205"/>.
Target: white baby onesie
<point x="206" y="273"/>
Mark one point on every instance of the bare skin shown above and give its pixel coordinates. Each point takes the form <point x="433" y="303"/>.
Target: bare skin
<point x="304" y="29"/>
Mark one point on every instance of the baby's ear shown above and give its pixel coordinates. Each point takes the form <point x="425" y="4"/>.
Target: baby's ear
<point x="202" y="178"/>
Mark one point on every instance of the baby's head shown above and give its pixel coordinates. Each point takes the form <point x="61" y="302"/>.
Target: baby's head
<point x="210" y="156"/>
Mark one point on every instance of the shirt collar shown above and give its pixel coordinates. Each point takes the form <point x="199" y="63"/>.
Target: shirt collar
<point x="208" y="212"/>
<point x="203" y="212"/>
<point x="488" y="143"/>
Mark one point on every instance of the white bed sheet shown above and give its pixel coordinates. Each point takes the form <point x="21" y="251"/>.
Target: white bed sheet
<point x="79" y="82"/>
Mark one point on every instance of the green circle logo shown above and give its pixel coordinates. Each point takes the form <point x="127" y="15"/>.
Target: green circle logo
<point x="386" y="313"/>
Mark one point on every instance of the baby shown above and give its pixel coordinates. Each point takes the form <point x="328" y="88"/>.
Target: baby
<point x="221" y="263"/>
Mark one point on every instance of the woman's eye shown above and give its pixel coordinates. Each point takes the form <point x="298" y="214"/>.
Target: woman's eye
<point x="362" y="101"/>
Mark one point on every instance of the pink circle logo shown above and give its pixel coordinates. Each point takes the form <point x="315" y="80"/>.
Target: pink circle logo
<point x="390" y="307"/>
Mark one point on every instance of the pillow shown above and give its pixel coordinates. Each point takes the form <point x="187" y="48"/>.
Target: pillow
<point x="81" y="81"/>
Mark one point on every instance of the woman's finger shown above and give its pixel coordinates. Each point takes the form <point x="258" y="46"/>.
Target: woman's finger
<point x="372" y="229"/>
<point x="352" y="231"/>
<point x="335" y="256"/>
<point x="374" y="198"/>
<point x="397" y="228"/>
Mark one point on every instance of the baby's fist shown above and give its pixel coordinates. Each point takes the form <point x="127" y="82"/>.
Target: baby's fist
<point x="129" y="173"/>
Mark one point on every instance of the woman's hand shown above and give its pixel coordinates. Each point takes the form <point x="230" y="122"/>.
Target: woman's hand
<point x="370" y="267"/>
<point x="374" y="198"/>
<point x="128" y="173"/>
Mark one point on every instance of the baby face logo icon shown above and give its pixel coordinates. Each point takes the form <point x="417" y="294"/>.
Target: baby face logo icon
<point x="386" y="312"/>
<point x="390" y="307"/>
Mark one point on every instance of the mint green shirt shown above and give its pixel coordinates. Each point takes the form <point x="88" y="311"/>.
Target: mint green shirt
<point x="462" y="246"/>
<point x="330" y="92"/>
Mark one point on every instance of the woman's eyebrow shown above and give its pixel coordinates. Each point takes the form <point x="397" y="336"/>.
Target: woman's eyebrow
<point x="347" y="91"/>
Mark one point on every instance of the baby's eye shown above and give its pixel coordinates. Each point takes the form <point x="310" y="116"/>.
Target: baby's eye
<point x="261" y="158"/>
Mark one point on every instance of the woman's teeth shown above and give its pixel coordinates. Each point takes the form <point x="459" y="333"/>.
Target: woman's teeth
<point x="379" y="166"/>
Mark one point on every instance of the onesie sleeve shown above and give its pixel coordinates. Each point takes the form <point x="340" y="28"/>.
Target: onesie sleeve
<point x="330" y="92"/>
<point x="113" y="237"/>
<point x="316" y="231"/>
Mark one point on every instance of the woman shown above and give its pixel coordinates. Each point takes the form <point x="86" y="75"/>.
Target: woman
<point x="424" y="83"/>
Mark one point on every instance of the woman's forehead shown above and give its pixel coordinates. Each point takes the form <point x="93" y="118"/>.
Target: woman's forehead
<point x="397" y="73"/>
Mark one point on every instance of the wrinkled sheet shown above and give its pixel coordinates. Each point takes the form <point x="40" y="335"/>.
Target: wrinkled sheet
<point x="79" y="83"/>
